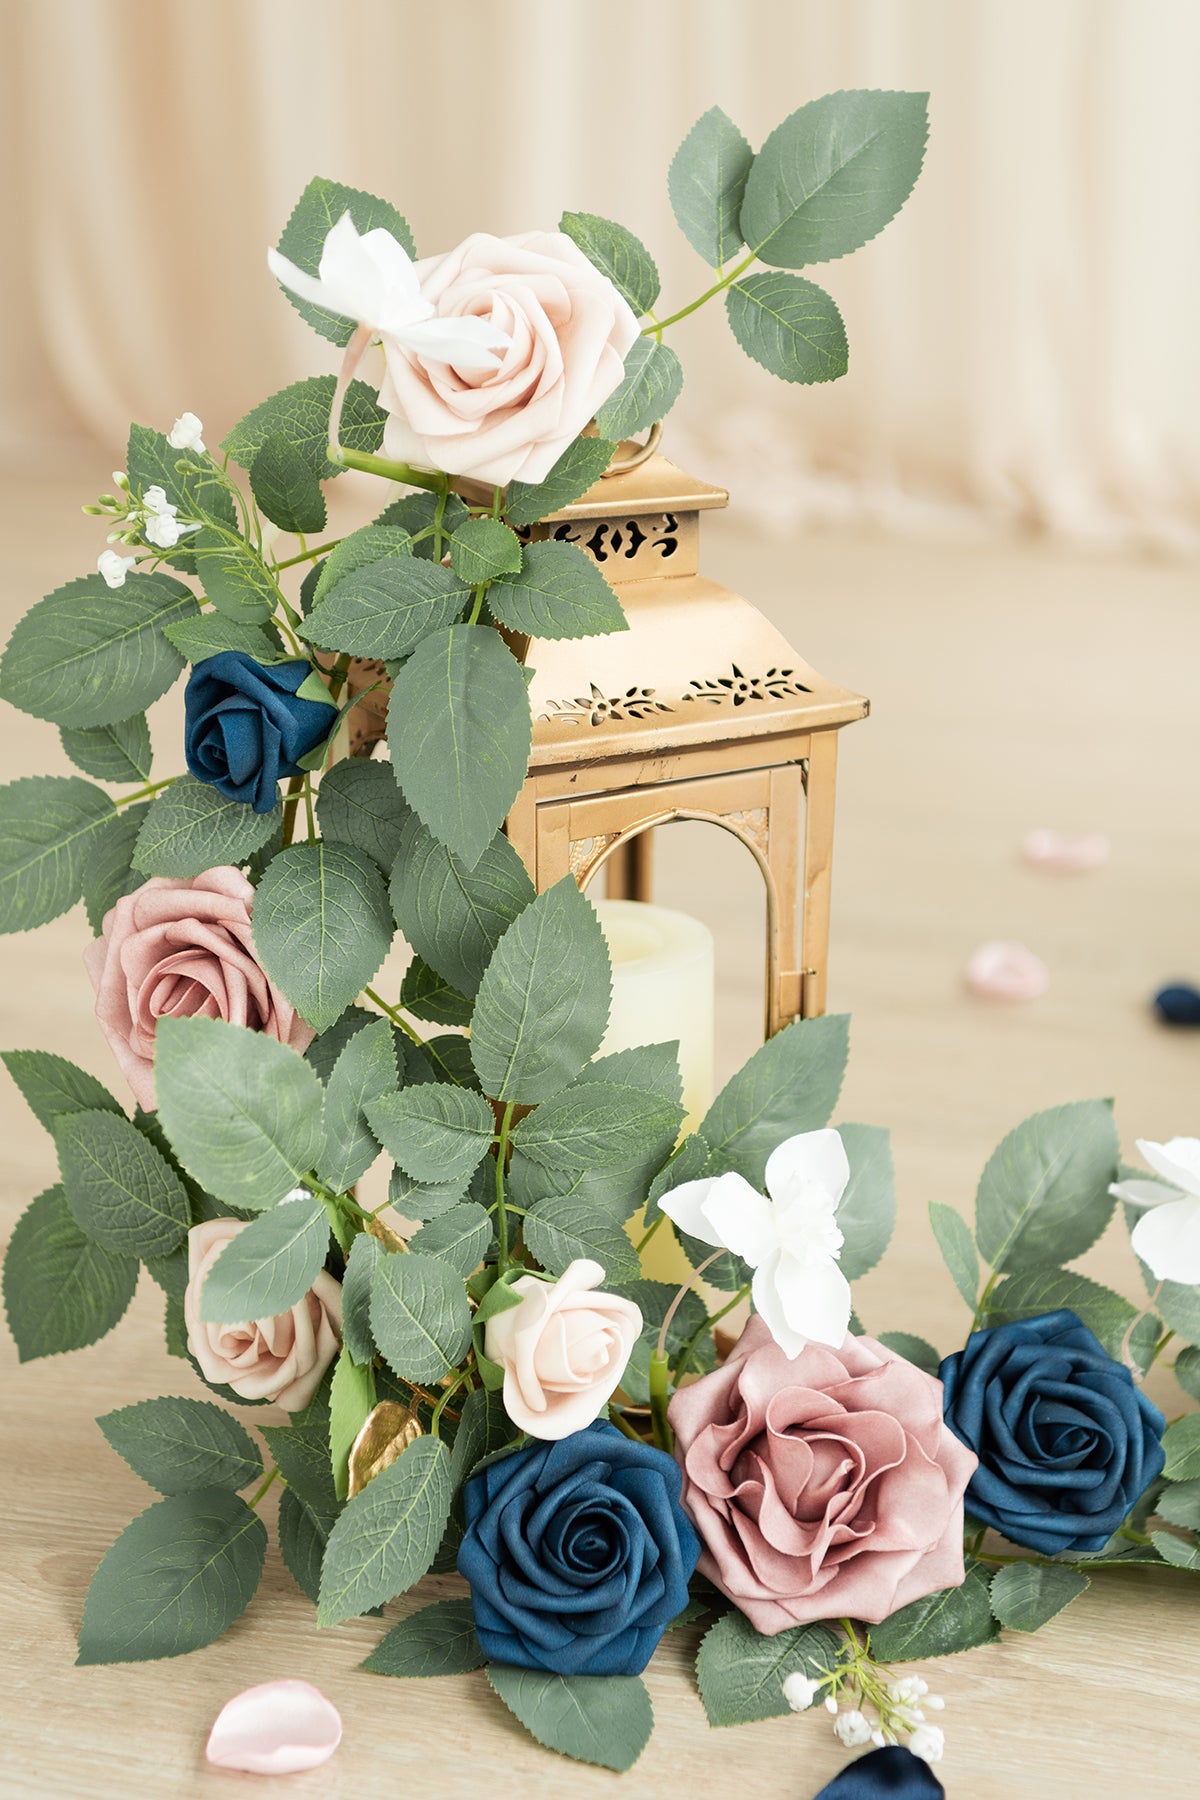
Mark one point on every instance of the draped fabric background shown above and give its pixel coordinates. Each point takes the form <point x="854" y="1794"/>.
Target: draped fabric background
<point x="1024" y="340"/>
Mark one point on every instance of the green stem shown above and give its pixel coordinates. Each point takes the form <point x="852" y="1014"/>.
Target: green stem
<point x="451" y="1388"/>
<point x="391" y="471"/>
<point x="622" y="1423"/>
<point x="309" y="555"/>
<point x="291" y="802"/>
<point x="308" y="808"/>
<point x="501" y="1211"/>
<point x="477" y="608"/>
<point x="144" y="793"/>
<point x="685" y="1355"/>
<point x="660" y="1424"/>
<point x="262" y="1488"/>
<point x="658" y="326"/>
<point x="402" y="1024"/>
<point x="649" y="1233"/>
<point x="981" y="1307"/>
<point x="439" y="518"/>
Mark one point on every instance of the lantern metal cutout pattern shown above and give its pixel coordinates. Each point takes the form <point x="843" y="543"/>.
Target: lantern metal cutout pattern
<point x="701" y="710"/>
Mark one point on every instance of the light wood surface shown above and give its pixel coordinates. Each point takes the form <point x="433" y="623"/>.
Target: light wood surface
<point x="1011" y="686"/>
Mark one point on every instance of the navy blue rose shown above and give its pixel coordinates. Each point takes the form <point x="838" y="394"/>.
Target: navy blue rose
<point x="247" y="726"/>
<point x="1066" y="1442"/>
<point x="578" y="1553"/>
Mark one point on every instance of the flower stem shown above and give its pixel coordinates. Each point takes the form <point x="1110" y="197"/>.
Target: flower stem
<point x="144" y="793"/>
<point x="618" y="1418"/>
<point x="262" y="1488"/>
<point x="649" y="1233"/>
<point x="981" y="1307"/>
<point x="685" y="1355"/>
<point x="403" y="1025"/>
<point x="658" y="326"/>
<point x="391" y="471"/>
<point x="451" y="1388"/>
<point x="501" y="1211"/>
<point x="477" y="608"/>
<point x="291" y="803"/>
<point x="308" y="555"/>
<point x="308" y="808"/>
<point x="659" y="1399"/>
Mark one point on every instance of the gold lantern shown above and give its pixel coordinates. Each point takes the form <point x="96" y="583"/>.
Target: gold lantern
<point x="701" y="710"/>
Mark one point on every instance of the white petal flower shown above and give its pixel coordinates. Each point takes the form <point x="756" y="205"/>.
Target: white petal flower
<point x="155" y="501"/>
<point x="852" y="1729"/>
<point x="799" y="1691"/>
<point x="928" y="1742"/>
<point x="114" y="568"/>
<point x="163" y="530"/>
<point x="185" y="434"/>
<point x="1167" y="1236"/>
<point x="372" y="279"/>
<point x="791" y="1239"/>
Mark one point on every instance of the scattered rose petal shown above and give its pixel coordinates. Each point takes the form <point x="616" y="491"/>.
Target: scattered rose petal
<point x="1063" y="852"/>
<point x="1005" y="971"/>
<point x="1178" y="1004"/>
<point x="275" y="1729"/>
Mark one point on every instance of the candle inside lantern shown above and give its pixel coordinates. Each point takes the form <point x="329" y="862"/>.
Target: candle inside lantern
<point x="663" y="988"/>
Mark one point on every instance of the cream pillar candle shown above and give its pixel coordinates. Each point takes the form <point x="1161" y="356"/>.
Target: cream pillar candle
<point x="663" y="987"/>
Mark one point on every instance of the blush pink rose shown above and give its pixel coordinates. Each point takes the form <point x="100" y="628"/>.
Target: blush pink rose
<point x="178" y="949"/>
<point x="824" y="1485"/>
<point x="563" y="1349"/>
<point x="568" y="330"/>
<point x="282" y="1358"/>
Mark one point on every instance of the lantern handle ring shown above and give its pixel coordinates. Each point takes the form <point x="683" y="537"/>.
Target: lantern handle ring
<point x="621" y="465"/>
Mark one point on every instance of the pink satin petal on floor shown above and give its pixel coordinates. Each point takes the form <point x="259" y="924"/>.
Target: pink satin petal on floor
<point x="1006" y="971"/>
<point x="275" y="1729"/>
<point x="1064" y="852"/>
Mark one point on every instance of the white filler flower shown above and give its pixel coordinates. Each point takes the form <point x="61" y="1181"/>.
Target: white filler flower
<point x="372" y="279"/>
<point x="185" y="434"/>
<point x="1167" y="1236"/>
<point x="799" y="1690"/>
<point x="852" y="1729"/>
<point x="928" y="1742"/>
<point x="790" y="1240"/>
<point x="114" y="568"/>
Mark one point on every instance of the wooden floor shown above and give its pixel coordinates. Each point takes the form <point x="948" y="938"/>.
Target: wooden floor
<point x="1011" y="686"/>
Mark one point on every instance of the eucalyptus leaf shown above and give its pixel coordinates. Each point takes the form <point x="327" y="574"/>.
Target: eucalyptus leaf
<point x="706" y="184"/>
<point x="191" y="828"/>
<point x="62" y="1289"/>
<point x="558" y="593"/>
<point x="49" y="827"/>
<point x="387" y="1536"/>
<point x="117" y="752"/>
<point x="322" y="926"/>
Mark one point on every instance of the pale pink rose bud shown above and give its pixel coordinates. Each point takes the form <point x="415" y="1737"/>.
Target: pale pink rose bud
<point x="280" y="1359"/>
<point x="563" y="1349"/>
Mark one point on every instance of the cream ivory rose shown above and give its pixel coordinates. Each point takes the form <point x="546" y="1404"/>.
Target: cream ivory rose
<point x="280" y="1359"/>
<point x="563" y="1349"/>
<point x="568" y="332"/>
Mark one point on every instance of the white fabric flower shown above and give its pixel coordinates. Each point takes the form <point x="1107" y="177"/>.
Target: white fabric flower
<point x="371" y="279"/>
<point x="928" y="1742"/>
<point x="800" y="1691"/>
<point x="155" y="502"/>
<point x="163" y="530"/>
<point x="114" y="568"/>
<point x="1167" y="1236"/>
<point x="790" y="1240"/>
<point x="185" y="434"/>
<point x="852" y="1729"/>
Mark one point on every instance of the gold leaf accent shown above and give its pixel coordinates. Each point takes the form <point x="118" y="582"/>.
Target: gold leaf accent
<point x="386" y="1236"/>
<point x="387" y="1432"/>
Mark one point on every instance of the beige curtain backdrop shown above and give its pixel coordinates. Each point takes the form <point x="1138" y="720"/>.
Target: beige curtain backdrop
<point x="1024" y="340"/>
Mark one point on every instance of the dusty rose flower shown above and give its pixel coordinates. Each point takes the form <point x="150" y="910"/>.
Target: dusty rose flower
<point x="824" y="1485"/>
<point x="568" y="331"/>
<point x="281" y="1359"/>
<point x="563" y="1349"/>
<point x="177" y="949"/>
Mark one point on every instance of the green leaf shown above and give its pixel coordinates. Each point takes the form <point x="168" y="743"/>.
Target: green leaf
<point x="211" y="632"/>
<point x="452" y="915"/>
<point x="790" y="1085"/>
<point x="706" y="183"/>
<point x="595" y="1125"/>
<point x="483" y="1429"/>
<point x="108" y="873"/>
<point x="190" y="828"/>
<point x="741" y="1674"/>
<point x="459" y="731"/>
<point x="322" y="926"/>
<point x="49" y="827"/>
<point x="287" y="491"/>
<point x="654" y="1067"/>
<point x="116" y="752"/>
<point x="1187" y="1366"/>
<point x="620" y="256"/>
<point x="1178" y="1306"/>
<point x="563" y="1228"/>
<point x="1179" y="1504"/>
<point x="385" y="609"/>
<point x="388" y="1535"/>
<point x="418" y="512"/>
<point x="365" y="1252"/>
<point x="52" y="1086"/>
<point x="427" y="996"/>
<point x="361" y="550"/>
<point x="1025" y="1596"/>
<point x="916" y="1350"/>
<point x="461" y="1237"/>
<point x="327" y="1046"/>
<point x="242" y="1111"/>
<point x="415" y="1199"/>
<point x="957" y="1246"/>
<point x="542" y="1005"/>
<point x="235" y="578"/>
<point x="351" y="1398"/>
<point x="315" y="214"/>
<point x="940" y="1624"/>
<point x="1181" y="1442"/>
<point x="832" y="175"/>
<point x="303" y="1535"/>
<point x="419" y="1316"/>
<point x="604" y="1719"/>
<point x="482" y="549"/>
<point x="866" y="1213"/>
<point x="438" y="1640"/>
<point x="1175" y="1551"/>
<point x="270" y="1266"/>
<point x="654" y="1300"/>
<point x="121" y="1191"/>
<point x="689" y="1162"/>
<point x="301" y="1452"/>
<point x="1043" y="1197"/>
<point x="789" y="325"/>
<point x="365" y="1070"/>
<point x="579" y="467"/>
<point x="300" y="413"/>
<point x="1109" y="1315"/>
<point x="190" y="482"/>
<point x="435" y="1132"/>
<point x="175" y="1579"/>
<point x="651" y="385"/>
<point x="559" y="593"/>
<point x="62" y="1290"/>
<point x="88" y="655"/>
<point x="179" y="1445"/>
<point x="359" y="803"/>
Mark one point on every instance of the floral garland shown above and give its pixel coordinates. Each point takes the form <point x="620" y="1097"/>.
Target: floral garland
<point x="479" y="1376"/>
